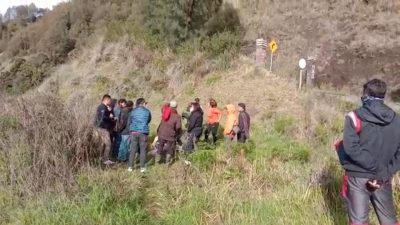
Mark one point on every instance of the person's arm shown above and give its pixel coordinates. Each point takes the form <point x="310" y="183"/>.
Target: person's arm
<point x="219" y="115"/>
<point x="192" y="123"/>
<point x="178" y="126"/>
<point x="394" y="164"/>
<point x="149" y="121"/>
<point x="352" y="147"/>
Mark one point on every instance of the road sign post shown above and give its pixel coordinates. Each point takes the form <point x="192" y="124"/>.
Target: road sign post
<point x="302" y="65"/>
<point x="273" y="46"/>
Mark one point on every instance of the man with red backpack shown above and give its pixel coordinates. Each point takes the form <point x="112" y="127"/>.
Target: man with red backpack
<point x="370" y="155"/>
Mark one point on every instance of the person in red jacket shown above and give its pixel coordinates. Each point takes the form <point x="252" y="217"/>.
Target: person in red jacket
<point x="168" y="132"/>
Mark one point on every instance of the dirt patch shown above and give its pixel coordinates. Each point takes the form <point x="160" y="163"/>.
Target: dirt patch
<point x="351" y="68"/>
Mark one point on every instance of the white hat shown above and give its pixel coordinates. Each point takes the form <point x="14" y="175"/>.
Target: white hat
<point x="173" y="104"/>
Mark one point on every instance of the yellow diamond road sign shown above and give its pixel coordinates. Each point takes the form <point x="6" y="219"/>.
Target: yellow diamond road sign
<point x="273" y="46"/>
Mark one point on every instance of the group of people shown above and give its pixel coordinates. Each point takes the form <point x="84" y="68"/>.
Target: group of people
<point x="124" y="128"/>
<point x="369" y="152"/>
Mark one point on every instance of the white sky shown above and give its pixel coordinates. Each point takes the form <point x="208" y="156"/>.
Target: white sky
<point x="4" y="4"/>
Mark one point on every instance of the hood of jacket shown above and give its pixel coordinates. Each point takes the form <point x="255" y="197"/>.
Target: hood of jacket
<point x="376" y="112"/>
<point x="231" y="109"/>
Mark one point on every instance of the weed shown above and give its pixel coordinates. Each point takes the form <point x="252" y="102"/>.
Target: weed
<point x="204" y="159"/>
<point x="283" y="124"/>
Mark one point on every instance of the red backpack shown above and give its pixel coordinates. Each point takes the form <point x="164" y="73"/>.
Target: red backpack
<point x="357" y="124"/>
<point x="340" y="149"/>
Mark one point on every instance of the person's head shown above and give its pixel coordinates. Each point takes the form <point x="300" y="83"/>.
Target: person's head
<point x="195" y="107"/>
<point x="213" y="103"/>
<point x="106" y="100"/>
<point x="140" y="102"/>
<point x="197" y="100"/>
<point x="122" y="103"/>
<point x="114" y="102"/>
<point x="375" y="88"/>
<point x="230" y="108"/>
<point x="242" y="107"/>
<point x="173" y="104"/>
<point x="129" y="104"/>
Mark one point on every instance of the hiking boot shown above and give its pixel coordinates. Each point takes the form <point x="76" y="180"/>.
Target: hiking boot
<point x="130" y="169"/>
<point x="142" y="170"/>
<point x="108" y="162"/>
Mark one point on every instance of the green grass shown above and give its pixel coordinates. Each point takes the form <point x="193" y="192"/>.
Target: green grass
<point x="272" y="187"/>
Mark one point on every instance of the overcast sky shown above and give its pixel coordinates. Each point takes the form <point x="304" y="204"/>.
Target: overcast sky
<point x="4" y="4"/>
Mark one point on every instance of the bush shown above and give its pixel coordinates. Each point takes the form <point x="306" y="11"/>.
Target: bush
<point x="26" y="74"/>
<point x="45" y="143"/>
<point x="179" y="21"/>
<point x="221" y="43"/>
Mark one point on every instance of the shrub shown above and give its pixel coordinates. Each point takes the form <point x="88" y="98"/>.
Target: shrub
<point x="25" y="74"/>
<point x="221" y="43"/>
<point x="45" y="143"/>
<point x="178" y="21"/>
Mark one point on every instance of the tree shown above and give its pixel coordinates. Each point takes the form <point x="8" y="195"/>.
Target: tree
<point x="178" y="20"/>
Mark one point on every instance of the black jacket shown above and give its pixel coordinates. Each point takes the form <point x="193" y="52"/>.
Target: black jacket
<point x="196" y="123"/>
<point x="374" y="153"/>
<point x="103" y="119"/>
<point x="123" y="122"/>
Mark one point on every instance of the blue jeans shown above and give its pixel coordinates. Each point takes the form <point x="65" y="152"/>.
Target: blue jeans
<point x="138" y="145"/>
<point x="124" y="148"/>
<point x="116" y="144"/>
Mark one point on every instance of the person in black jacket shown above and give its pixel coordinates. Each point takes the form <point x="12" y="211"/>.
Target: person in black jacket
<point x="195" y="126"/>
<point x="105" y="124"/>
<point x="244" y="124"/>
<point x="124" y="131"/>
<point x="373" y="157"/>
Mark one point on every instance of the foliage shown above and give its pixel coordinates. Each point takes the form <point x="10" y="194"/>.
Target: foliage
<point x="283" y="124"/>
<point x="204" y="159"/>
<point x="25" y="74"/>
<point x="44" y="143"/>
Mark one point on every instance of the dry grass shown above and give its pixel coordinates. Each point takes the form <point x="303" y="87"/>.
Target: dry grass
<point x="44" y="143"/>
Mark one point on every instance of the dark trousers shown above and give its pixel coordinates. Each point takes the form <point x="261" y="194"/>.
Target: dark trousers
<point x="357" y="197"/>
<point x="191" y="143"/>
<point x="213" y="129"/>
<point x="241" y="137"/>
<point x="166" y="147"/>
<point x="116" y="142"/>
<point x="138" y="145"/>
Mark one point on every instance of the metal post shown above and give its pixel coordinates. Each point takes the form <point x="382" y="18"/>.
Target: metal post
<point x="300" y="79"/>
<point x="270" y="65"/>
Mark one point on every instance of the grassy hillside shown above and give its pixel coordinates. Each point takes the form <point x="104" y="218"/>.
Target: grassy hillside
<point x="51" y="82"/>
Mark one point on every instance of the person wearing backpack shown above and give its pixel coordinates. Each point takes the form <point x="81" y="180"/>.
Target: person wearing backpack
<point x="371" y="156"/>
<point x="168" y="132"/>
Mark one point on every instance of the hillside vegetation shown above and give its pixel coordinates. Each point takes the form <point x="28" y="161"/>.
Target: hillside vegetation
<point x="54" y="71"/>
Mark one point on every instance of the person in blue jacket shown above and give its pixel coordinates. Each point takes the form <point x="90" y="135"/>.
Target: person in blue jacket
<point x="139" y="121"/>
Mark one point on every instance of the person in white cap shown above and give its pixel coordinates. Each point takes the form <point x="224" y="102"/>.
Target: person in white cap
<point x="168" y="132"/>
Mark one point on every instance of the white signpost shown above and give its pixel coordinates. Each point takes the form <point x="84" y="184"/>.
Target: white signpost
<point x="302" y="65"/>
